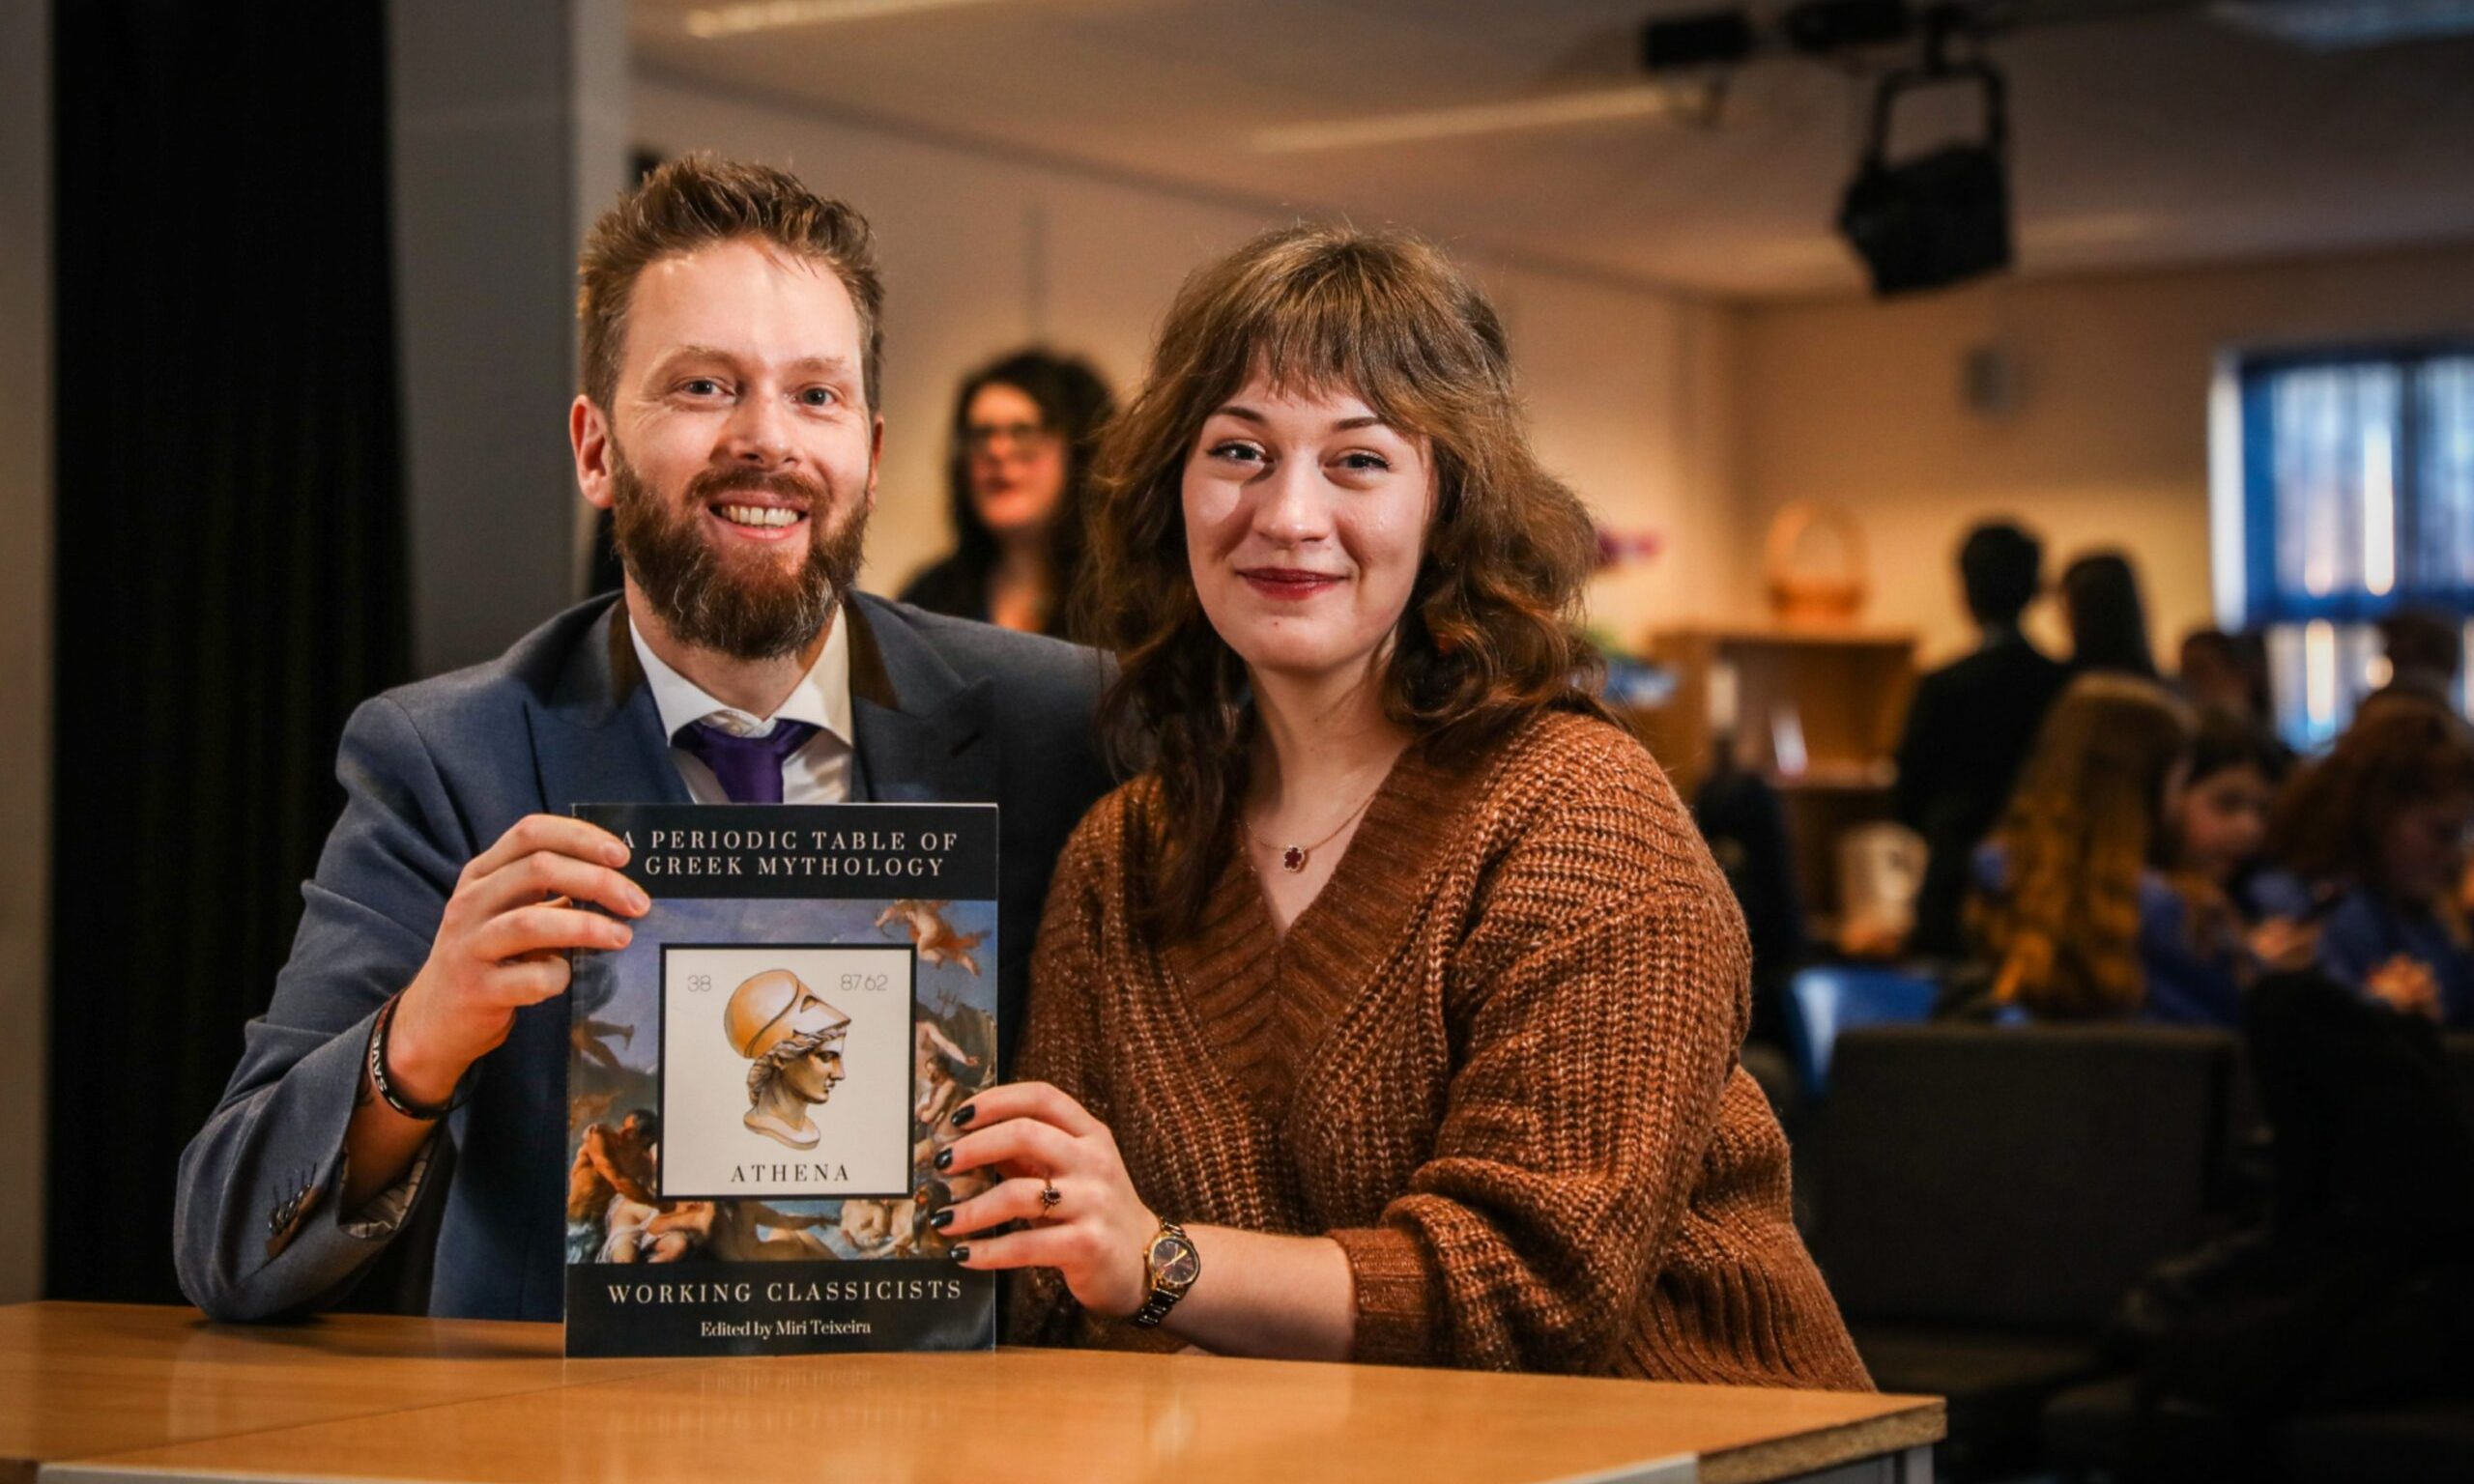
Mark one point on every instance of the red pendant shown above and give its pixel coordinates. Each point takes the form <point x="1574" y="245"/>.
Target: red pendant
<point x="1293" y="859"/>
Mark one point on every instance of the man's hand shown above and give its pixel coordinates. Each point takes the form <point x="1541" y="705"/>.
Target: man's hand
<point x="501" y="945"/>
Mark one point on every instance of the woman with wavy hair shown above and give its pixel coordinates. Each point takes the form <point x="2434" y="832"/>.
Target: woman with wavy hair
<point x="1025" y="429"/>
<point x="1392" y="1011"/>
<point x="2058" y="910"/>
<point x="2205" y="939"/>
<point x="2372" y="836"/>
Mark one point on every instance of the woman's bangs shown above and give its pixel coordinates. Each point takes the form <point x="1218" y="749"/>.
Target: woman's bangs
<point x="1326" y="338"/>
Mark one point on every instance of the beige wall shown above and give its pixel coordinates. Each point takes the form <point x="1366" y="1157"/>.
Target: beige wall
<point x="1667" y="412"/>
<point x="506" y="130"/>
<point x="1860" y="404"/>
<point x="25" y="631"/>
<point x="983" y="253"/>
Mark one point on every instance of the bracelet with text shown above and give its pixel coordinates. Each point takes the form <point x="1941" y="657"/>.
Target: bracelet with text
<point x="423" y="1113"/>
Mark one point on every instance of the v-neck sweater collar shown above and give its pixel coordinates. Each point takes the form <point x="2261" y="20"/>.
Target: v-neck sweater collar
<point x="1264" y="998"/>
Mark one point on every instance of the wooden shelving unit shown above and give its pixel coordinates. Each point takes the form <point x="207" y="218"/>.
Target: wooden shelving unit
<point x="1839" y="695"/>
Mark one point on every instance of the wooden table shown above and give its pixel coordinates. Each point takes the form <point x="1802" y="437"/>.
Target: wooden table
<point x="102" y="1394"/>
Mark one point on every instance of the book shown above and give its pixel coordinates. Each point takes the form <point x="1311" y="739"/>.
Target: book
<point x="759" y="1083"/>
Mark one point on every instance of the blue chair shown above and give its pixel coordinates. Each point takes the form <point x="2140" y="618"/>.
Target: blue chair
<point x="1822" y="1003"/>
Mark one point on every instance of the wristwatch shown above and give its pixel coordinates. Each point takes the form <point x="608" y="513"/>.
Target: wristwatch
<point x="1171" y="1265"/>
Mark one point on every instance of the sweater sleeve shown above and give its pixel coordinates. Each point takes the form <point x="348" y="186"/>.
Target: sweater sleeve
<point x="1596" y="1012"/>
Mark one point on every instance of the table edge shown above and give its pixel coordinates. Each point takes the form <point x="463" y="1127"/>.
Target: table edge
<point x="1924" y="1422"/>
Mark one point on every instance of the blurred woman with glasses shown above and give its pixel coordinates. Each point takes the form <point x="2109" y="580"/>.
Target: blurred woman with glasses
<point x="1023" y="434"/>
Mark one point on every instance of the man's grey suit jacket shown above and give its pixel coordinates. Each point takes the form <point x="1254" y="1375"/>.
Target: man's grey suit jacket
<point x="436" y="772"/>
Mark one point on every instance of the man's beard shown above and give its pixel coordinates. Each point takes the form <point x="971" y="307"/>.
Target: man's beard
<point x="748" y="615"/>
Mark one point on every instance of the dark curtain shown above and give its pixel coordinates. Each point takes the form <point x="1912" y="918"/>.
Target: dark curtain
<point x="231" y="561"/>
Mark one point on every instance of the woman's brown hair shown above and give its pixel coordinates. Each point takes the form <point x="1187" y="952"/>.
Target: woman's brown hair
<point x="2064" y="937"/>
<point x="1491" y="635"/>
<point x="2400" y="749"/>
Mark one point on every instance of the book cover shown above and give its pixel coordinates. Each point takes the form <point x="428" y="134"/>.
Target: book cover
<point x="757" y="1084"/>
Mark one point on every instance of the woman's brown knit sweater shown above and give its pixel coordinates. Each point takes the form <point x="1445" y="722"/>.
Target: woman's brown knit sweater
<point x="1495" y="1059"/>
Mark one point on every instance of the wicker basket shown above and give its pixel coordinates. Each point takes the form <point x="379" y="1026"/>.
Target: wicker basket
<point x="1807" y="598"/>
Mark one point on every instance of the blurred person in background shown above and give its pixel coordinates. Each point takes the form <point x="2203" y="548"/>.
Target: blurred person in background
<point x="2060" y="899"/>
<point x="2219" y="828"/>
<point x="2352" y="1291"/>
<point x="2373" y="836"/>
<point x="1743" y="820"/>
<point x="2227" y="673"/>
<point x="2198" y="946"/>
<point x="2425" y="650"/>
<point x="1971" y="725"/>
<point x="2108" y="620"/>
<point x="1024" y="428"/>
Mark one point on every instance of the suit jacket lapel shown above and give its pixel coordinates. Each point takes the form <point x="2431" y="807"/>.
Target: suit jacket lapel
<point x="597" y="736"/>
<point x="924" y="736"/>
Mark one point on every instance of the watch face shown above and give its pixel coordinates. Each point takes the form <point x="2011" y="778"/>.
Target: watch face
<point x="1173" y="1261"/>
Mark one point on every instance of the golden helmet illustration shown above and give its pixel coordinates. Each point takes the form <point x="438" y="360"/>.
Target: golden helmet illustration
<point x="774" y="1005"/>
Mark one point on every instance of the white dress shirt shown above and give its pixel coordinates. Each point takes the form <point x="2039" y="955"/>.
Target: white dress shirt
<point x="817" y="773"/>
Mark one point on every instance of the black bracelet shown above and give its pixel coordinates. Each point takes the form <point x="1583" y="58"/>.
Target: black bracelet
<point x="417" y="1112"/>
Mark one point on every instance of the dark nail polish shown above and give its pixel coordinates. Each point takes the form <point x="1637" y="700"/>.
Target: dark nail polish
<point x="942" y="1219"/>
<point x="964" y="1115"/>
<point x="962" y="1254"/>
<point x="944" y="1158"/>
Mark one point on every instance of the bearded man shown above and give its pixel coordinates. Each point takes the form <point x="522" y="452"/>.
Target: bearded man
<point x="731" y="369"/>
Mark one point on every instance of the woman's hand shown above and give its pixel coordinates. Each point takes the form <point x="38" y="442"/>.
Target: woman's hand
<point x="1038" y="1139"/>
<point x="2282" y="945"/>
<point x="2405" y="984"/>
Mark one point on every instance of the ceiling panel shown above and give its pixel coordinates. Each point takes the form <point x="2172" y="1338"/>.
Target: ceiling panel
<point x="2155" y="139"/>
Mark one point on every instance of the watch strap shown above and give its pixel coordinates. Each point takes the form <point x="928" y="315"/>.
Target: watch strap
<point x="1164" y="1297"/>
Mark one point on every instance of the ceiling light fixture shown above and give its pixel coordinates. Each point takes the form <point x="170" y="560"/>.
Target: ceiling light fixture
<point x="1942" y="217"/>
<point x="1937" y="218"/>
<point x="1637" y="101"/>
<point x="711" y="22"/>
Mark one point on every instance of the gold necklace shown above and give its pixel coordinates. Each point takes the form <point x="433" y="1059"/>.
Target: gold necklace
<point x="1293" y="858"/>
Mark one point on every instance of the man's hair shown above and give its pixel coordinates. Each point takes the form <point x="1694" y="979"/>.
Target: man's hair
<point x="699" y="201"/>
<point x="2422" y="644"/>
<point x="2001" y="567"/>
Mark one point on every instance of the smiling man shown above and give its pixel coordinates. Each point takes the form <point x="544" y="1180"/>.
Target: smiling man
<point x="731" y="327"/>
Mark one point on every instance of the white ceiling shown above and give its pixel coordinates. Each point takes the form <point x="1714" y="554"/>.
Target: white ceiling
<point x="2166" y="138"/>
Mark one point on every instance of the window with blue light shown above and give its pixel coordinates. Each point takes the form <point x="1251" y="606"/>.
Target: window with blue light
<point x="2355" y="482"/>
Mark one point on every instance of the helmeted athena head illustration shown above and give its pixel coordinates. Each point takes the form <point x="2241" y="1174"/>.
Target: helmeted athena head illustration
<point x="792" y="1040"/>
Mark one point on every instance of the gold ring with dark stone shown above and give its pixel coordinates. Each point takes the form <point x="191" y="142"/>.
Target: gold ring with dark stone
<point x="1051" y="1197"/>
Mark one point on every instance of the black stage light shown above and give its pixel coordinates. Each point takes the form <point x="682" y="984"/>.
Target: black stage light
<point x="1711" y="39"/>
<point x="1940" y="218"/>
<point x="1820" y="27"/>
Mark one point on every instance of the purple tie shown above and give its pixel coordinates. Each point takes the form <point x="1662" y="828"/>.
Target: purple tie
<point x="750" y="768"/>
